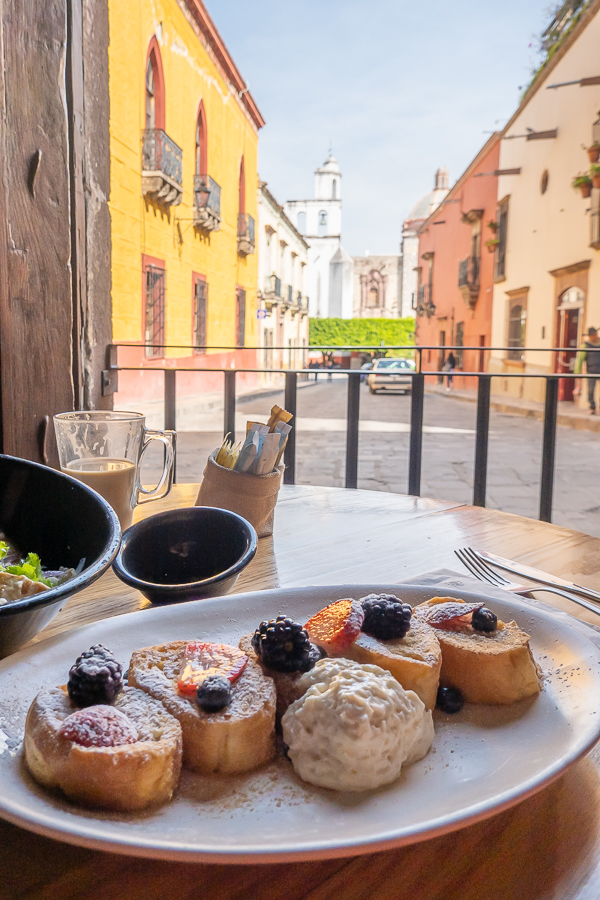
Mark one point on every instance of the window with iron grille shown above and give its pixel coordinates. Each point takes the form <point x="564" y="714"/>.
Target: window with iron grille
<point x="240" y="317"/>
<point x="501" y="234"/>
<point x="154" y="336"/>
<point x="517" y="318"/>
<point x="200" y="314"/>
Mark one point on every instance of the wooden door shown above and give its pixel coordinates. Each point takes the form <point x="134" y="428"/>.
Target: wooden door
<point x="568" y="331"/>
<point x="54" y="282"/>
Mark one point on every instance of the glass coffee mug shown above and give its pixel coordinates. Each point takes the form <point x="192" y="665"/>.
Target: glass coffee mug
<point x="104" y="449"/>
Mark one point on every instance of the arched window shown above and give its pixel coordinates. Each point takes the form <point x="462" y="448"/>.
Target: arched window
<point x="201" y="143"/>
<point x="155" y="88"/>
<point x="242" y="189"/>
<point x="334" y="190"/>
<point x="302" y="222"/>
<point x="322" y="223"/>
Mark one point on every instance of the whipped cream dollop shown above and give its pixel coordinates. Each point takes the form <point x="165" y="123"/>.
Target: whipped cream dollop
<point x="354" y="726"/>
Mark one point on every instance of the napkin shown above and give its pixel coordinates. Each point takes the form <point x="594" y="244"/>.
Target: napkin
<point x="447" y="578"/>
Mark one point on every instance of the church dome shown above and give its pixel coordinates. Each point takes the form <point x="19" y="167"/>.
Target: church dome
<point x="427" y="204"/>
<point x="330" y="166"/>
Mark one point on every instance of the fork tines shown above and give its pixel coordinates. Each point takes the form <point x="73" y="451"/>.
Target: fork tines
<point x="479" y="568"/>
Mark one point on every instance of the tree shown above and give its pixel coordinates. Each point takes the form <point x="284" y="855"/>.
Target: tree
<point x="361" y="332"/>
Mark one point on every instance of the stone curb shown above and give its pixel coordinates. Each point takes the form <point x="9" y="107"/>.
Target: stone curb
<point x="583" y="422"/>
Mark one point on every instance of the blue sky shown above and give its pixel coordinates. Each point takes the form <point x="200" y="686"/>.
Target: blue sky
<point x="399" y="88"/>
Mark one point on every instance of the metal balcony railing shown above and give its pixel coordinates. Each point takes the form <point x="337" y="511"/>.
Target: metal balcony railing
<point x="207" y="194"/>
<point x="483" y="381"/>
<point x="273" y="286"/>
<point x="246" y="227"/>
<point x="425" y="304"/>
<point x="468" y="272"/>
<point x="161" y="154"/>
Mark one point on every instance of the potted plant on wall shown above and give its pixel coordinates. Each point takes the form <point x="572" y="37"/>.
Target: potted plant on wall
<point x="583" y="183"/>
<point x="493" y="226"/>
<point x="595" y="174"/>
<point x="593" y="152"/>
<point x="492" y="243"/>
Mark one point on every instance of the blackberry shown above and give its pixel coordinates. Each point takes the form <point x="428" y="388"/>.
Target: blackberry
<point x="283" y="645"/>
<point x="95" y="677"/>
<point x="386" y="616"/>
<point x="214" y="693"/>
<point x="449" y="700"/>
<point x="484" y="620"/>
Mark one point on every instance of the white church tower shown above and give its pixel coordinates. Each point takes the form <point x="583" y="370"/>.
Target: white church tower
<point x="330" y="268"/>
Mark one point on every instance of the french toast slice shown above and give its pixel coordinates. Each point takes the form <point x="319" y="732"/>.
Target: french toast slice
<point x="495" y="668"/>
<point x="286" y="683"/>
<point x="128" y="777"/>
<point x="414" y="660"/>
<point x="233" y="740"/>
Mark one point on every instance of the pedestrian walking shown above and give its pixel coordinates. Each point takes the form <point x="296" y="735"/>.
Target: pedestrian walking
<point x="589" y="354"/>
<point x="449" y="367"/>
<point x="330" y="365"/>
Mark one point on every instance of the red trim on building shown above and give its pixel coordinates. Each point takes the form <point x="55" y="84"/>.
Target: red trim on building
<point x="202" y="133"/>
<point x="159" y="82"/>
<point x="242" y="188"/>
<point x="226" y="63"/>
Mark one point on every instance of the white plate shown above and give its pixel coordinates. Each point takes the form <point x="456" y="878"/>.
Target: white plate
<point x="483" y="759"/>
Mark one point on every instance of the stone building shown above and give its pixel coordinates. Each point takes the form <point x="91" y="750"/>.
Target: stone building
<point x="282" y="280"/>
<point x="320" y="222"/>
<point x="410" y="240"/>
<point x="377" y="282"/>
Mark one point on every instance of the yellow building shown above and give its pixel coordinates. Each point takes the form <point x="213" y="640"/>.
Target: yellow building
<point x="183" y="150"/>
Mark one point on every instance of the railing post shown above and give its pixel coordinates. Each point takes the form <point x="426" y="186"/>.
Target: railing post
<point x="289" y="454"/>
<point x="549" y="448"/>
<point x="352" y="430"/>
<point x="481" y="439"/>
<point x="416" y="434"/>
<point x="170" y="389"/>
<point x="229" y="405"/>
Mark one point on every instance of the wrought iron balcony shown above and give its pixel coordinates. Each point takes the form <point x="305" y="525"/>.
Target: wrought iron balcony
<point x="272" y="292"/>
<point x="468" y="280"/>
<point x="425" y="305"/>
<point x="207" y="203"/>
<point x="161" y="168"/>
<point x="245" y="235"/>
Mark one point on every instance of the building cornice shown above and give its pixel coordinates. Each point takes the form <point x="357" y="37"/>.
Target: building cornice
<point x="280" y="211"/>
<point x="570" y="270"/>
<point x="457" y="186"/>
<point x="552" y="63"/>
<point x="228" y="68"/>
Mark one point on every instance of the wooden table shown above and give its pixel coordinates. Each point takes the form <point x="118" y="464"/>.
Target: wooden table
<point x="546" y="847"/>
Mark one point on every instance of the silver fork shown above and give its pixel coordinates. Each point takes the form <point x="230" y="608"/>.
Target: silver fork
<point x="482" y="571"/>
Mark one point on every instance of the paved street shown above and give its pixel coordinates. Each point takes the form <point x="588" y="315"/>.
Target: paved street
<point x="448" y="451"/>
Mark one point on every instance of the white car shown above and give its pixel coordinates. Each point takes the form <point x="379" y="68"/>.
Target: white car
<point x="391" y="375"/>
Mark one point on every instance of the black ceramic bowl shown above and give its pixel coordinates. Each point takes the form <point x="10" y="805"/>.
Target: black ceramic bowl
<point x="62" y="520"/>
<point x="186" y="554"/>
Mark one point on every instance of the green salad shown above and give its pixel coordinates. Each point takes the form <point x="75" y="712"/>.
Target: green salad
<point x="31" y="567"/>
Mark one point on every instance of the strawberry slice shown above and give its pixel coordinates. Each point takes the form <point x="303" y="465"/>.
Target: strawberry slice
<point x="450" y="615"/>
<point x="202" y="659"/>
<point x="337" y="626"/>
<point x="99" y="726"/>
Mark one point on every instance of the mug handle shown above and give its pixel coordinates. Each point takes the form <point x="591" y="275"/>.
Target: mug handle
<point x="169" y="439"/>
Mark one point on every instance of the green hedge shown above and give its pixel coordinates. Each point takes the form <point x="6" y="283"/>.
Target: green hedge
<point x="360" y="332"/>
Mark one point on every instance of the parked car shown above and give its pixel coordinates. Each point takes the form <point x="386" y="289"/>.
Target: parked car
<point x="366" y="367"/>
<point x="391" y="375"/>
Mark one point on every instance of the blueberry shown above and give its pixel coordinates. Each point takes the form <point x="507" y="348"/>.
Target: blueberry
<point x="484" y="620"/>
<point x="449" y="700"/>
<point x="214" y="693"/>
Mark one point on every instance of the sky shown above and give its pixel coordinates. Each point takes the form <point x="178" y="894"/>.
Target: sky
<point x="398" y="88"/>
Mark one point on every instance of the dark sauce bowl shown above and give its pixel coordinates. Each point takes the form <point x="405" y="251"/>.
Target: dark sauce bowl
<point x="186" y="554"/>
<point x="62" y="520"/>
